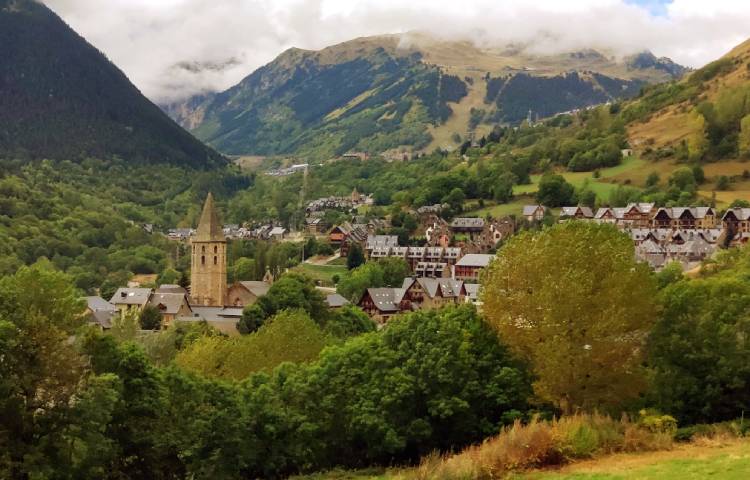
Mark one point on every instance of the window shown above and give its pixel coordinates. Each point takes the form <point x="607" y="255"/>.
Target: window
<point x="203" y="249"/>
<point x="216" y="249"/>
<point x="215" y="260"/>
<point x="203" y="259"/>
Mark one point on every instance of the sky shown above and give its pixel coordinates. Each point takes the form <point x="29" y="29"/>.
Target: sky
<point x="172" y="49"/>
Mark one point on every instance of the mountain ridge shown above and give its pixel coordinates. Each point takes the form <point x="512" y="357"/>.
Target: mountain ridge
<point x="61" y="98"/>
<point x="388" y="91"/>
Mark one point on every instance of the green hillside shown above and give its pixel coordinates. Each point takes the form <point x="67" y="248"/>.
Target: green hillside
<point x="373" y="94"/>
<point x="61" y="98"/>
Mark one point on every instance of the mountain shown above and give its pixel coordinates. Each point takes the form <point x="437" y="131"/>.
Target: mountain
<point x="60" y="98"/>
<point x="383" y="92"/>
<point x="700" y="117"/>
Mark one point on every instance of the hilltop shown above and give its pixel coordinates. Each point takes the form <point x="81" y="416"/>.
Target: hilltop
<point x="61" y="98"/>
<point x="377" y="93"/>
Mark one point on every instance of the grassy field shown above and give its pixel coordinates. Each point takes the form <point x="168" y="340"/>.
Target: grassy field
<point x="690" y="462"/>
<point x="725" y="461"/>
<point x="322" y="273"/>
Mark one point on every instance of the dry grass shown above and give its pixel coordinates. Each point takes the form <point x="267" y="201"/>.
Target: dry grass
<point x="543" y="444"/>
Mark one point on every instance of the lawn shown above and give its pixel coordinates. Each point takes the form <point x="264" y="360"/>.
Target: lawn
<point x="690" y="462"/>
<point x="728" y="461"/>
<point x="601" y="187"/>
<point x="322" y="273"/>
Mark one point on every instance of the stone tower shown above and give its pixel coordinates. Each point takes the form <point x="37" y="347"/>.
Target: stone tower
<point x="208" y="270"/>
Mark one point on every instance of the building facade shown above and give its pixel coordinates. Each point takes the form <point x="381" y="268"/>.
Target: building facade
<point x="208" y="269"/>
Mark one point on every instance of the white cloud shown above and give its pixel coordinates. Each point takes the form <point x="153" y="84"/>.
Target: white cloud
<point x="221" y="41"/>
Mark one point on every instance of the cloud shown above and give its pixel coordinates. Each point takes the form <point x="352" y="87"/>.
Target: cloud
<point x="175" y="48"/>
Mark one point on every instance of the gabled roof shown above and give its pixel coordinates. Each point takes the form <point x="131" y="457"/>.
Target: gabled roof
<point x="382" y="241"/>
<point x="131" y="296"/>
<point x="739" y="213"/>
<point x="95" y="303"/>
<point x="171" y="288"/>
<point x="334" y="300"/>
<point x="169" y="303"/>
<point x="277" y="231"/>
<point x="480" y="260"/>
<point x="256" y="288"/>
<point x="467" y="222"/>
<point x="531" y="209"/>
<point x="209" y="228"/>
<point x="573" y="211"/>
<point x="386" y="299"/>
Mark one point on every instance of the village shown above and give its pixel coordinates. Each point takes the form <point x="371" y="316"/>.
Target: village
<point x="445" y="257"/>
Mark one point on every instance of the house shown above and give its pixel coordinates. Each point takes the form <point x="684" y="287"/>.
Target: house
<point x="277" y="233"/>
<point x="381" y="304"/>
<point x="314" y="225"/>
<point x="431" y="293"/>
<point x="469" y="266"/>
<point x="626" y="152"/>
<point x="576" y="213"/>
<point x="129" y="299"/>
<point x="379" y="246"/>
<point x="534" y="213"/>
<point x="432" y="270"/>
<point x="336" y="301"/>
<point x="636" y="215"/>
<point x="170" y="305"/>
<point x="244" y="293"/>
<point x="347" y="234"/>
<point x="472" y="294"/>
<point x="736" y="220"/>
<point x="685" y="218"/>
<point x="100" y="312"/>
<point x="467" y="225"/>
<point x="224" y="319"/>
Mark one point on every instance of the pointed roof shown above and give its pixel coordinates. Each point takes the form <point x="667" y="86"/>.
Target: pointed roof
<point x="209" y="228"/>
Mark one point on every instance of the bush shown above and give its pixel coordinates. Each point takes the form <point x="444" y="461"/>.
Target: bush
<point x="541" y="444"/>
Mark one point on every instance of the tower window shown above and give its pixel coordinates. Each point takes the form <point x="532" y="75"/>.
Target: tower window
<point x="215" y="260"/>
<point x="203" y="249"/>
<point x="203" y="259"/>
<point x="216" y="249"/>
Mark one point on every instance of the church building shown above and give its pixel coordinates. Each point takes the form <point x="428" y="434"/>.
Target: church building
<point x="208" y="269"/>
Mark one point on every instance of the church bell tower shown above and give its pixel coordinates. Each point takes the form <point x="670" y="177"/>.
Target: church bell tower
<point x="208" y="270"/>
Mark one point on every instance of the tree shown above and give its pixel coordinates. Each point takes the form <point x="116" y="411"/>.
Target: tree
<point x="572" y="301"/>
<point x="554" y="191"/>
<point x="290" y="336"/>
<point x="355" y="282"/>
<point x="355" y="257"/>
<point x="652" y="180"/>
<point x="150" y="318"/>
<point x="697" y="141"/>
<point x="698" y="348"/>
<point x="168" y="276"/>
<point x="394" y="271"/>
<point x="244" y="269"/>
<point x="722" y="183"/>
<point x="291" y="291"/>
<point x="349" y="321"/>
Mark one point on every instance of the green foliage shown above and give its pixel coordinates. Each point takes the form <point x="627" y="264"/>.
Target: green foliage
<point x="291" y="291"/>
<point x="572" y="301"/>
<point x="150" y="318"/>
<point x="355" y="257"/>
<point x="290" y="336"/>
<point x="554" y="191"/>
<point x="698" y="350"/>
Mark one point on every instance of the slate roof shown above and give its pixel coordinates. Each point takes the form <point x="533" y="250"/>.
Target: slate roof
<point x="386" y="299"/>
<point x="480" y="260"/>
<point x="101" y="311"/>
<point x="531" y="209"/>
<point x="739" y="213"/>
<point x="335" y="300"/>
<point x="256" y="288"/>
<point x="572" y="211"/>
<point x="381" y="241"/>
<point x="472" y="290"/>
<point x="447" y="287"/>
<point x="171" y="288"/>
<point x="169" y="303"/>
<point x="277" y="231"/>
<point x="131" y="296"/>
<point x="467" y="222"/>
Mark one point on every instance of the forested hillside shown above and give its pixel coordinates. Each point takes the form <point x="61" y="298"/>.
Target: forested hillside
<point x="376" y="93"/>
<point x="61" y="98"/>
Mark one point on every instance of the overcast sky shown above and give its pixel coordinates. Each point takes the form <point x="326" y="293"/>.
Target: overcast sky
<point x="174" y="48"/>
